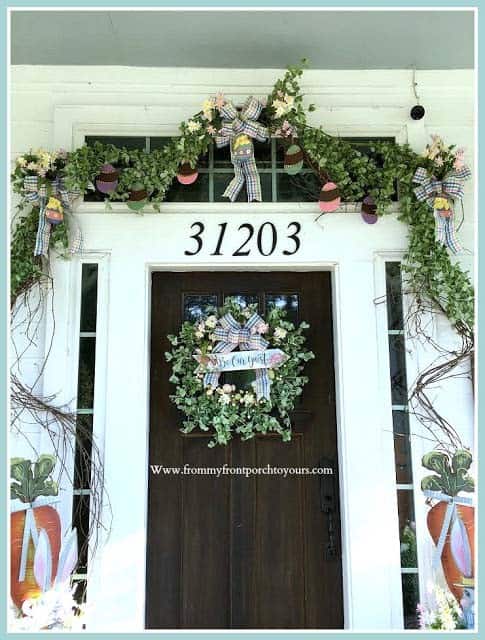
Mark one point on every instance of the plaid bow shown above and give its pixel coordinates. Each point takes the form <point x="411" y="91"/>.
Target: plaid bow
<point x="38" y="195"/>
<point x="432" y="191"/>
<point x="238" y="130"/>
<point x="429" y="187"/>
<point x="231" y="335"/>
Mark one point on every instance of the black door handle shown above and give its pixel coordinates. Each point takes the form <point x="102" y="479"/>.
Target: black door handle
<point x="328" y="504"/>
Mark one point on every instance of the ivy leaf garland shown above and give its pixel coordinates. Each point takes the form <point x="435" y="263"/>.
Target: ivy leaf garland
<point x="226" y="411"/>
<point x="430" y="273"/>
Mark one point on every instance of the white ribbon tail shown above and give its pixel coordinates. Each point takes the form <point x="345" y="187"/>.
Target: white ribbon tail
<point x="30" y="531"/>
<point x="449" y="513"/>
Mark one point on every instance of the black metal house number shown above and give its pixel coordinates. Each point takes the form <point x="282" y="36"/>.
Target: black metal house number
<point x="266" y="236"/>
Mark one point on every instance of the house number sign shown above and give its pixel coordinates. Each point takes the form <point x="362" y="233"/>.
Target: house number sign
<point x="245" y="240"/>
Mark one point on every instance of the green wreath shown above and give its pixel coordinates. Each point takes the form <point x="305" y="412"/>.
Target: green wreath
<point x="224" y="409"/>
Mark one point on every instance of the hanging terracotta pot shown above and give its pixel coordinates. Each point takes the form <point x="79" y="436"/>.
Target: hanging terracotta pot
<point x="293" y="161"/>
<point x="453" y="573"/>
<point x="107" y="180"/>
<point x="369" y="210"/>
<point x="329" y="197"/>
<point x="187" y="174"/>
<point x="138" y="197"/>
<point x="45" y="517"/>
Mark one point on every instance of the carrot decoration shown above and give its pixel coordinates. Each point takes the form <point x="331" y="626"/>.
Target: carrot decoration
<point x="29" y="482"/>
<point x="451" y="521"/>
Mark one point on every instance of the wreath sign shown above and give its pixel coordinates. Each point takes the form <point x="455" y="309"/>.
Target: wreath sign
<point x="231" y="339"/>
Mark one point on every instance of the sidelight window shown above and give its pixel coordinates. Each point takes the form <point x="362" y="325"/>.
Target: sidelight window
<point x="81" y="507"/>
<point x="402" y="444"/>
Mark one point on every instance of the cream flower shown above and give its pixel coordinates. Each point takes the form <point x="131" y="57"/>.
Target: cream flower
<point x="280" y="333"/>
<point x="227" y="388"/>
<point x="21" y="161"/>
<point x="290" y="101"/>
<point x="199" y="334"/>
<point x="280" y="108"/>
<point x="193" y="126"/>
<point x="211" y="322"/>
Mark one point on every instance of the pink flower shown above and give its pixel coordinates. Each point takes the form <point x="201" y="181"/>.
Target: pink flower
<point x="212" y="131"/>
<point x="262" y="327"/>
<point x="287" y="129"/>
<point x="220" y="101"/>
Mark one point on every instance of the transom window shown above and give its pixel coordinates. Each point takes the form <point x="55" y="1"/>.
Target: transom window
<point x="215" y="171"/>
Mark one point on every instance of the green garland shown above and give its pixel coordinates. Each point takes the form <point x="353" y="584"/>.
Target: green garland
<point x="431" y="275"/>
<point x="226" y="410"/>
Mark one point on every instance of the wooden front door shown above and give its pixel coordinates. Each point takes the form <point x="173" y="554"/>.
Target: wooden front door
<point x="244" y="552"/>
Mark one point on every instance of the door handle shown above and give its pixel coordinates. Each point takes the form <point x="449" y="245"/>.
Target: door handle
<point x="328" y="504"/>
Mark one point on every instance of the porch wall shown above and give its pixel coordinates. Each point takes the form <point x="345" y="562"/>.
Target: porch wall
<point x="51" y="106"/>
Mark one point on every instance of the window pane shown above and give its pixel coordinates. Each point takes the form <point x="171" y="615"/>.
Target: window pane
<point x="410" y="595"/>
<point x="402" y="447"/>
<point x="80" y="591"/>
<point x="130" y="142"/>
<point x="394" y="295"/>
<point x="160" y="143"/>
<point x="397" y="355"/>
<point x="285" y="301"/>
<point x="80" y="521"/>
<point x="197" y="306"/>
<point x="198" y="191"/>
<point x="221" y="180"/>
<point x="243" y="299"/>
<point x="407" y="528"/>
<point x="89" y="297"/>
<point x="87" y="350"/>
<point x="262" y="154"/>
<point x="222" y="157"/>
<point x="303" y="187"/>
<point x="82" y="463"/>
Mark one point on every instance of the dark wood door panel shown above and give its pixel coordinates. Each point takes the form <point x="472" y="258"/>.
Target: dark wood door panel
<point x="237" y="552"/>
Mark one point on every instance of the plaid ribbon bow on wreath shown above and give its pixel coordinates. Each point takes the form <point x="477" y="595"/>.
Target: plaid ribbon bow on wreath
<point x="231" y="334"/>
<point x="238" y="130"/>
<point x="438" y="194"/>
<point x="38" y="195"/>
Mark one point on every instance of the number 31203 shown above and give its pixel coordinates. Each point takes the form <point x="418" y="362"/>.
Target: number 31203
<point x="266" y="239"/>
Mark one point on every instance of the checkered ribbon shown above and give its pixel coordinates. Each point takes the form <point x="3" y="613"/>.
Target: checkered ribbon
<point x="234" y="125"/>
<point x="231" y="334"/>
<point x="429" y="188"/>
<point x="38" y="195"/>
<point x="450" y="513"/>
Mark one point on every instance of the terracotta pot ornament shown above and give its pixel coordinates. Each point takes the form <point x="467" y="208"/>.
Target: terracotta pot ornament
<point x="138" y="197"/>
<point x="329" y="198"/>
<point x="107" y="180"/>
<point x="187" y="174"/>
<point x="369" y="210"/>
<point x="293" y="161"/>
